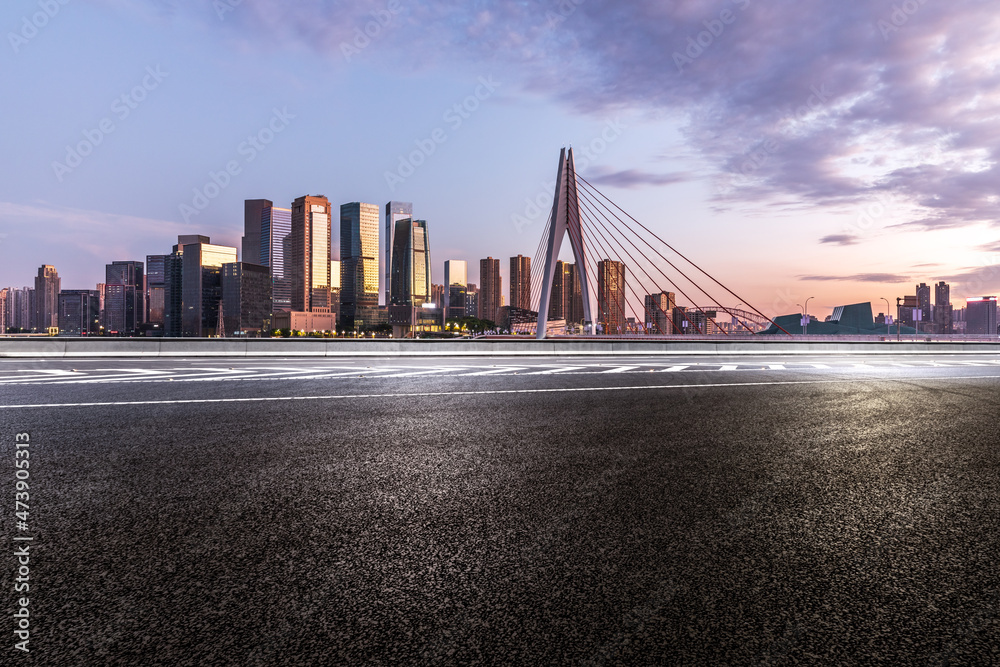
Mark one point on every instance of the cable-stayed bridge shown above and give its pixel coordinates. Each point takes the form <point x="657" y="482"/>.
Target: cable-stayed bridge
<point x="625" y="279"/>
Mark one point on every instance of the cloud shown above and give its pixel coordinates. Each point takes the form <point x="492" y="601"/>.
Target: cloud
<point x="94" y="233"/>
<point x="784" y="99"/>
<point x="840" y="239"/>
<point x="632" y="178"/>
<point x="981" y="280"/>
<point x="862" y="277"/>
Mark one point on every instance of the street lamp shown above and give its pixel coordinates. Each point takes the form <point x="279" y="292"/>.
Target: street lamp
<point x="802" y="316"/>
<point x="805" y="309"/>
<point x="886" y="314"/>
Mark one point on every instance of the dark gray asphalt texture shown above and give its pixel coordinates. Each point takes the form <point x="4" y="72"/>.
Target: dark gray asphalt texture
<point x="673" y="513"/>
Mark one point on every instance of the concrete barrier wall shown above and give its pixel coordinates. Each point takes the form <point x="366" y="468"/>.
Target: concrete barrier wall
<point x="319" y="347"/>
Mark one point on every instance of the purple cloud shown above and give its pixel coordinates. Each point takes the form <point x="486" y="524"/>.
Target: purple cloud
<point x="840" y="239"/>
<point x="784" y="99"/>
<point x="632" y="178"/>
<point x="862" y="277"/>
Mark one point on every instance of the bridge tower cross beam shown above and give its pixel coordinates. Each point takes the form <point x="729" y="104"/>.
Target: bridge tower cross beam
<point x="565" y="220"/>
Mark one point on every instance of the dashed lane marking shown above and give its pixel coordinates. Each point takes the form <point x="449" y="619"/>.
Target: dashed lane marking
<point x="554" y="390"/>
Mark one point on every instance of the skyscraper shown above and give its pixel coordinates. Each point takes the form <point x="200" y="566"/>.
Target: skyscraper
<point x="942" y="309"/>
<point x="924" y="302"/>
<point x="472" y="300"/>
<point x="411" y="264"/>
<point x="79" y="312"/>
<point x="359" y="274"/>
<point x="4" y="293"/>
<point x="335" y="277"/>
<point x="520" y="282"/>
<point x="246" y="298"/>
<point x="253" y="212"/>
<point x="310" y="260"/>
<point x="394" y="212"/>
<point x="490" y="289"/>
<point x="456" y="279"/>
<point x="46" y="311"/>
<point x="266" y="227"/>
<point x="124" y="297"/>
<point x="156" y="282"/>
<point x="981" y="316"/>
<point x="611" y="296"/>
<point x="193" y="285"/>
<point x="567" y="298"/>
<point x="20" y="308"/>
<point x="659" y="312"/>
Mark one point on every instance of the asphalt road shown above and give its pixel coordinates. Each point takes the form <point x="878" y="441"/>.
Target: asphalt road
<point x="683" y="510"/>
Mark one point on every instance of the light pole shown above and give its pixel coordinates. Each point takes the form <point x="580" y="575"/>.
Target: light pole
<point x="802" y="316"/>
<point x="886" y="314"/>
<point x="899" y="323"/>
<point x="805" y="314"/>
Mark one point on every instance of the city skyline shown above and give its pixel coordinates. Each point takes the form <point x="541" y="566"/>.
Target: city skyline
<point x="843" y="190"/>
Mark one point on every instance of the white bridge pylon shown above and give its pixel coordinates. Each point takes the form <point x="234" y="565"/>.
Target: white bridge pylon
<point x="565" y="220"/>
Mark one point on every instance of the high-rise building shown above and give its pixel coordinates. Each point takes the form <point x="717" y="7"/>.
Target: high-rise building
<point x="4" y="293"/>
<point x="907" y="312"/>
<point x="46" y="312"/>
<point x="520" y="282"/>
<point x="942" y="308"/>
<point x="394" y="212"/>
<point x="173" y="284"/>
<point x="490" y="289"/>
<point x="437" y="295"/>
<point x="79" y="312"/>
<point x="246" y="298"/>
<point x="611" y="296"/>
<point x="981" y="316"/>
<point x="659" y="312"/>
<point x="456" y="280"/>
<point x="156" y="284"/>
<point x="335" y="285"/>
<point x="20" y="309"/>
<point x="193" y="286"/>
<point x="567" y="298"/>
<point x="124" y="297"/>
<point x="266" y="228"/>
<point x="411" y="264"/>
<point x="471" y="300"/>
<point x="359" y="274"/>
<point x="253" y="213"/>
<point x="924" y="303"/>
<point x="310" y="260"/>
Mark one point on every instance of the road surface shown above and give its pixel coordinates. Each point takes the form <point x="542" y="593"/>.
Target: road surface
<point x="646" y="510"/>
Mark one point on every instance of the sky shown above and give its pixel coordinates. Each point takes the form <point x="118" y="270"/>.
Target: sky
<point x="794" y="148"/>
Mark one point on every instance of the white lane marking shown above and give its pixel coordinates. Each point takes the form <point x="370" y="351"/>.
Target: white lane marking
<point x="492" y="371"/>
<point x="424" y="372"/>
<point x="728" y="367"/>
<point x="621" y="369"/>
<point x="777" y="367"/>
<point x="555" y="390"/>
<point x="672" y="369"/>
<point x="557" y="369"/>
<point x="819" y="365"/>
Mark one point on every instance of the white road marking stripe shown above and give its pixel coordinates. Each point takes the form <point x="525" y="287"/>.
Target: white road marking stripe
<point x="728" y="367"/>
<point x="620" y="369"/>
<point x="777" y="367"/>
<point x="492" y="371"/>
<point x="424" y="372"/>
<point x="558" y="369"/>
<point x="672" y="369"/>
<point x="556" y="390"/>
